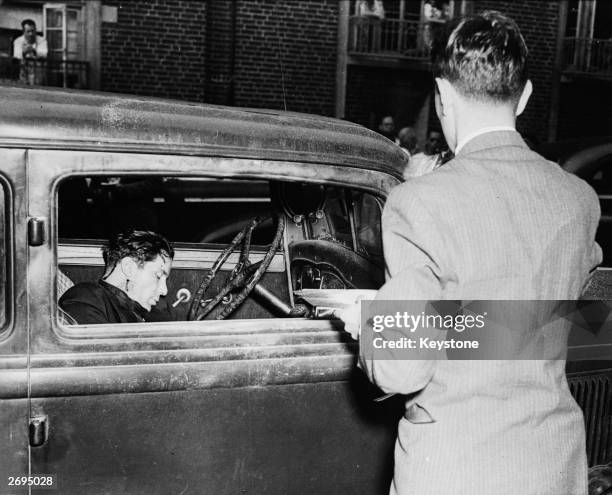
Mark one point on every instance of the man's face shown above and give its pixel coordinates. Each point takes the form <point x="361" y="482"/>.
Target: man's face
<point x="29" y="33"/>
<point x="388" y="125"/>
<point x="148" y="282"/>
<point x="434" y="143"/>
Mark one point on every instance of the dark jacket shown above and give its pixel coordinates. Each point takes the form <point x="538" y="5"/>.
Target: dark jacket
<point x="100" y="302"/>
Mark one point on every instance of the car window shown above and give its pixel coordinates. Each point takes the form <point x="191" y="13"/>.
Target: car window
<point x="326" y="236"/>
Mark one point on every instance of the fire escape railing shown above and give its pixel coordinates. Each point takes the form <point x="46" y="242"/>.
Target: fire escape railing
<point x="588" y="56"/>
<point x="47" y="72"/>
<point x="409" y="39"/>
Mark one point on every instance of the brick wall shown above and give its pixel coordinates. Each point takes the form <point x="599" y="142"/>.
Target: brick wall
<point x="285" y="52"/>
<point x="290" y="44"/>
<point x="285" y="55"/>
<point x="218" y="87"/>
<point x="538" y="20"/>
<point x="157" y="47"/>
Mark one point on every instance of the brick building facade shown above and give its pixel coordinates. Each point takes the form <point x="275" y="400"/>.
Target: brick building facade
<point x="143" y="54"/>
<point x="296" y="55"/>
<point x="258" y="53"/>
<point x="282" y="54"/>
<point x="286" y="55"/>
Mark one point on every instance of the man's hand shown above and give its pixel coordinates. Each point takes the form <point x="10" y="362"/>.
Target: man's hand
<point x="351" y="316"/>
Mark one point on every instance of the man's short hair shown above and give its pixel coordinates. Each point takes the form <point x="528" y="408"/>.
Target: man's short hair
<point x="140" y="245"/>
<point x="28" y="22"/>
<point x="483" y="56"/>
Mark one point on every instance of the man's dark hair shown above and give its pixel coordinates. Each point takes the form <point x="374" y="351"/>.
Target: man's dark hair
<point x="140" y="245"/>
<point x="28" y="22"/>
<point x="483" y="56"/>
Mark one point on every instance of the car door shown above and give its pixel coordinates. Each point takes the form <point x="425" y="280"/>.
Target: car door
<point x="14" y="407"/>
<point x="265" y="405"/>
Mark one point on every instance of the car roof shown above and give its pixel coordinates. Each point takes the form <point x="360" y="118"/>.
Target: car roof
<point x="62" y="119"/>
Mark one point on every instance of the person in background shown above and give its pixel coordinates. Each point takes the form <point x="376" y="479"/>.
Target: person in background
<point x="387" y="128"/>
<point x="430" y="159"/>
<point x="371" y="8"/>
<point x="137" y="266"/>
<point x="435" y="143"/>
<point x="28" y="48"/>
<point x="29" y="44"/>
<point x="407" y="140"/>
<point x="370" y="13"/>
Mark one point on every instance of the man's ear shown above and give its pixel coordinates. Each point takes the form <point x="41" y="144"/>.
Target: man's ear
<point x="128" y="267"/>
<point x="445" y="96"/>
<point x="522" y="103"/>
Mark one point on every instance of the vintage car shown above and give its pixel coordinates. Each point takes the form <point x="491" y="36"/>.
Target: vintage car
<point x="232" y="389"/>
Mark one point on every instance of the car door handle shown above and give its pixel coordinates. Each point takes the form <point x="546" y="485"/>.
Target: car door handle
<point x="38" y="430"/>
<point x="36" y="231"/>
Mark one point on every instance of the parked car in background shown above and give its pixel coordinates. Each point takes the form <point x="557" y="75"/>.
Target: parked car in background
<point x="590" y="159"/>
<point x="266" y="399"/>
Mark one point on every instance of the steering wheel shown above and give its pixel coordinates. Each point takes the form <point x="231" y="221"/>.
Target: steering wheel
<point x="244" y="276"/>
<point x="322" y="264"/>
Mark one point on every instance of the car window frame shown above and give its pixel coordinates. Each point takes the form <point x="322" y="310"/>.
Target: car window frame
<point x="7" y="234"/>
<point x="49" y="167"/>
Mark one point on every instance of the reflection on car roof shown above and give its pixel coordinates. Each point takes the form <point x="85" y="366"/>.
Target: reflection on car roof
<point x="64" y="119"/>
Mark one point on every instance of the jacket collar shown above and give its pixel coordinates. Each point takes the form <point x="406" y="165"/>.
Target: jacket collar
<point x="493" y="139"/>
<point x="124" y="299"/>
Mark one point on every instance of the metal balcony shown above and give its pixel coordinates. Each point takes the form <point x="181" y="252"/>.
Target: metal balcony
<point x="60" y="73"/>
<point x="407" y="40"/>
<point x="588" y="57"/>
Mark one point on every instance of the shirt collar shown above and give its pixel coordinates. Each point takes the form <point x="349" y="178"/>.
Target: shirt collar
<point x="483" y="130"/>
<point x="125" y="300"/>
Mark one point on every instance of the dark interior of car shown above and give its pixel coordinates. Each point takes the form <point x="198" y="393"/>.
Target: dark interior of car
<point x="243" y="247"/>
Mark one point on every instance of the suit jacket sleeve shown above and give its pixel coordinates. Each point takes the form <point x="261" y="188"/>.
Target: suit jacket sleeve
<point x="415" y="271"/>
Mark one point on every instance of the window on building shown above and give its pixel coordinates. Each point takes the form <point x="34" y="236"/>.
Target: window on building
<point x="571" y="26"/>
<point x="587" y="19"/>
<point x="64" y="31"/>
<point x="7" y="67"/>
<point x="602" y="27"/>
<point x="588" y="33"/>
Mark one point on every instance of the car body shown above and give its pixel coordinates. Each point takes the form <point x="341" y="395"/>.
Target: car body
<point x="262" y="402"/>
<point x="592" y="160"/>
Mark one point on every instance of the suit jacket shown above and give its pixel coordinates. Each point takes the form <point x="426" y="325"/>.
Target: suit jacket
<point x="496" y="222"/>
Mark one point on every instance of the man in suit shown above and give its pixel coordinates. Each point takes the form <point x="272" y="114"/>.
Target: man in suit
<point x="498" y="222"/>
